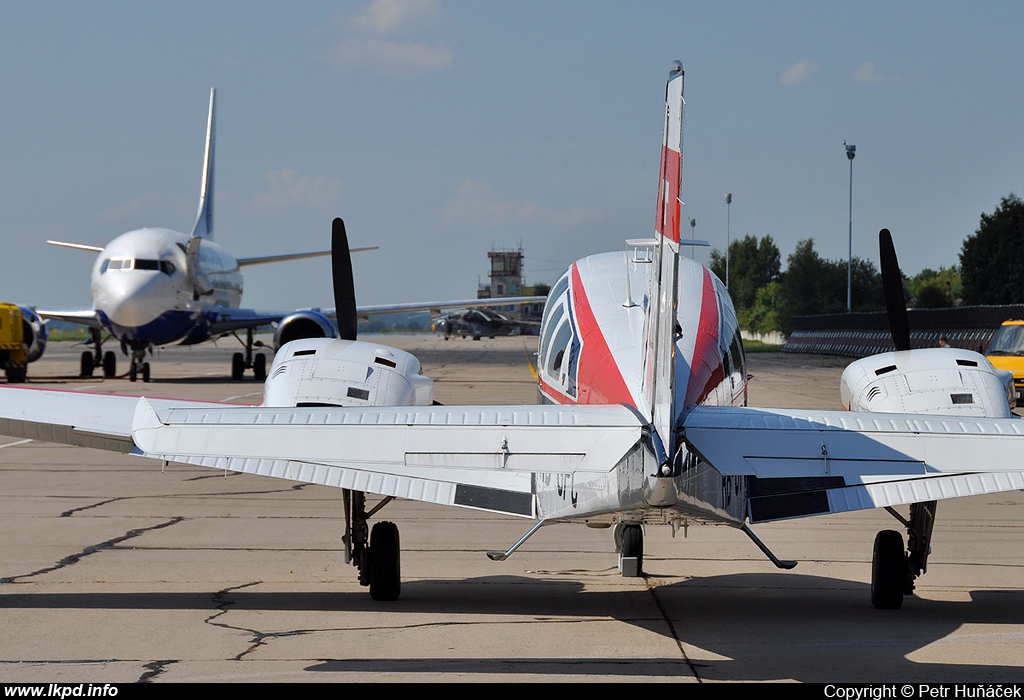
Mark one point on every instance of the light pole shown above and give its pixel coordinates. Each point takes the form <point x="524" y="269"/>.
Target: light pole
<point x="693" y="233"/>
<point x="851" y="151"/>
<point x="728" y="236"/>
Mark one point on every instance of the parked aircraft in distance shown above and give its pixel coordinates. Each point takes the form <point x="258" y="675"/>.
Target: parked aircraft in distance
<point x="153" y="287"/>
<point x="641" y="355"/>
<point x="480" y="323"/>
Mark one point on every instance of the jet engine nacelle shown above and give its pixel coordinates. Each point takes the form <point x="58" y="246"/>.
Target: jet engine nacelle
<point x="325" y="372"/>
<point x="303" y="324"/>
<point x="33" y="333"/>
<point x="935" y="380"/>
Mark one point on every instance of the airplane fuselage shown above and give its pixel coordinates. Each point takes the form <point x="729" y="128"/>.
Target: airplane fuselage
<point x="142" y="292"/>
<point x="592" y="351"/>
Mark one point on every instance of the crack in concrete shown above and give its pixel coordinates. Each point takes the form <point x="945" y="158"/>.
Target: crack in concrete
<point x="92" y="549"/>
<point x="154" y="669"/>
<point x="653" y="590"/>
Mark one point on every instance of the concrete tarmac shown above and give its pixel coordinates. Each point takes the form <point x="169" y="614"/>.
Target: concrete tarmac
<point x="116" y="569"/>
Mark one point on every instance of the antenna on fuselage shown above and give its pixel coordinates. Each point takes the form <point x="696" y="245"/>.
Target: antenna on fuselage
<point x="204" y="217"/>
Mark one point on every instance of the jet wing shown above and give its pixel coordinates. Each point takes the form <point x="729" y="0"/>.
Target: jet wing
<point x="484" y="457"/>
<point x="435" y="306"/>
<point x="818" y="462"/>
<point x="224" y="319"/>
<point x="82" y="317"/>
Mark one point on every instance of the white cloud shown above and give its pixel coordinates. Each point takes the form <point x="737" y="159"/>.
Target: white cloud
<point x="389" y="16"/>
<point x="867" y="74"/>
<point x="286" y="187"/>
<point x="799" y="73"/>
<point x="368" y="40"/>
<point x="476" y="204"/>
<point x="394" y="57"/>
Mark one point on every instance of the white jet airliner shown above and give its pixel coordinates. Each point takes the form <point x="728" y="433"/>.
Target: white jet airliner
<point x="641" y="356"/>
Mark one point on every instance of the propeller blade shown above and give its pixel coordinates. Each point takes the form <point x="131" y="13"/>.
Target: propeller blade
<point x="344" y="284"/>
<point x="892" y="287"/>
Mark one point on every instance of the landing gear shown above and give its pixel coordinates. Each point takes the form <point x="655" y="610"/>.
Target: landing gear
<point x="895" y="569"/>
<point x="375" y="553"/>
<point x="241" y="362"/>
<point x="629" y="540"/>
<point x="139" y="366"/>
<point x="888" y="571"/>
<point x="109" y="364"/>
<point x="85" y="370"/>
<point x="91" y="359"/>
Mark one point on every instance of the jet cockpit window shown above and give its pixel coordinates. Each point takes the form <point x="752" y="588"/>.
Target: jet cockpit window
<point x="120" y="264"/>
<point x="167" y="267"/>
<point x="141" y="264"/>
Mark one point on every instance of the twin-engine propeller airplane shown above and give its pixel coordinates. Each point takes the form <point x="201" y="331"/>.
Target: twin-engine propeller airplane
<point x="641" y="357"/>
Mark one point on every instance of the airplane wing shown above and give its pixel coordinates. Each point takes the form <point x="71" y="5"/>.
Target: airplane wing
<point x="243" y="262"/>
<point x="82" y="317"/>
<point x="819" y="462"/>
<point x="435" y="306"/>
<point x="483" y="457"/>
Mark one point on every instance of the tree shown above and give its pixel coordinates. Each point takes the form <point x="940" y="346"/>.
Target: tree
<point x="753" y="264"/>
<point x="992" y="259"/>
<point x="813" y="285"/>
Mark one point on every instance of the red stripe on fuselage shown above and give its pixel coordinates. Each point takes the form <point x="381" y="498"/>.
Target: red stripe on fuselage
<point x="706" y="370"/>
<point x="598" y="380"/>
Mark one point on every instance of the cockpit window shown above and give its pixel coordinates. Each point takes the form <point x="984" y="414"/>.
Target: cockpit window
<point x="164" y="266"/>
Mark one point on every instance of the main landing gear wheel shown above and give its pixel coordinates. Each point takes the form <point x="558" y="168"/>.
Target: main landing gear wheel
<point x="237" y="366"/>
<point x="109" y="364"/>
<point x="385" y="562"/>
<point x="888" y="571"/>
<point x="259" y="367"/>
<point x="87" y="364"/>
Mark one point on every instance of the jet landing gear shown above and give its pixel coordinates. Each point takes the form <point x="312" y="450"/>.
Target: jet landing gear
<point x="91" y="359"/>
<point x="139" y="367"/>
<point x="375" y="553"/>
<point x="241" y="362"/>
<point x="893" y="568"/>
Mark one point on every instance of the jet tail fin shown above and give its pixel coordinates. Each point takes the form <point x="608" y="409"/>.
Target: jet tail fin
<point x="204" y="218"/>
<point x="659" y="358"/>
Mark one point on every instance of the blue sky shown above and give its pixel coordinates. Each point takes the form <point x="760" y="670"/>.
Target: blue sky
<point x="442" y="129"/>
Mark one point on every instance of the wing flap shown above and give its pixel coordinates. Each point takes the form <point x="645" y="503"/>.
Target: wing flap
<point x="770" y="443"/>
<point x="398" y="440"/>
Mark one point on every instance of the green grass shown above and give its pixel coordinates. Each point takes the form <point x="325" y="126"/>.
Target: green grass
<point x="758" y="346"/>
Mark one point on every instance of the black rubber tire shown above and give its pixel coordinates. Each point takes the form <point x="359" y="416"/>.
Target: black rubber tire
<point x="888" y="570"/>
<point x="385" y="562"/>
<point x="145" y="371"/>
<point x="259" y="367"/>
<point x="633" y="544"/>
<point x="87" y="365"/>
<point x="133" y="372"/>
<point x="109" y="364"/>
<point x="237" y="366"/>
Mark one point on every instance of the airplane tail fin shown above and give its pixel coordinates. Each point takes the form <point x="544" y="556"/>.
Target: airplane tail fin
<point x="204" y="218"/>
<point x="659" y="359"/>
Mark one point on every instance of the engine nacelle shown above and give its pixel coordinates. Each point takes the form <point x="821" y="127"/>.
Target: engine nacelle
<point x="33" y="331"/>
<point x="325" y="372"/>
<point x="934" y="380"/>
<point x="303" y="324"/>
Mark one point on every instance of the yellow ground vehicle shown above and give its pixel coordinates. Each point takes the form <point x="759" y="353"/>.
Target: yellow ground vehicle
<point x="1006" y="351"/>
<point x="13" y="352"/>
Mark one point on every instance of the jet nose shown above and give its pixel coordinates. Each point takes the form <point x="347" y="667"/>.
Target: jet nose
<point x="133" y="298"/>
